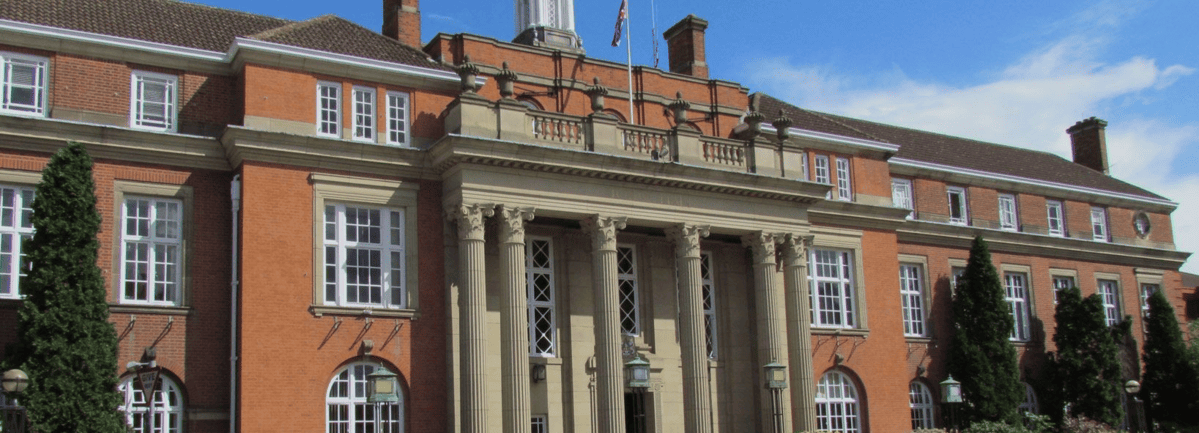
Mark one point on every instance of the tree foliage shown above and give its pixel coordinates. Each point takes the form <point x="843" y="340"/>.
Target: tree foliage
<point x="1086" y="370"/>
<point x="1170" y="380"/>
<point x="981" y="355"/>
<point x="67" y="347"/>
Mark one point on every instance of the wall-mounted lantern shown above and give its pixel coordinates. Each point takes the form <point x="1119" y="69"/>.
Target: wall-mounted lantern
<point x="636" y="372"/>
<point x="776" y="375"/>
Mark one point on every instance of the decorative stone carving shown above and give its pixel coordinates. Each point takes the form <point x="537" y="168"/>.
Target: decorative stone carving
<point x="597" y="93"/>
<point x="763" y="245"/>
<point x="467" y="71"/>
<point x="796" y="249"/>
<point x="754" y="120"/>
<point x="686" y="239"/>
<point x="470" y="219"/>
<point x="505" y="78"/>
<point x="679" y="108"/>
<point x="782" y="126"/>
<point x="512" y="223"/>
<point x="603" y="231"/>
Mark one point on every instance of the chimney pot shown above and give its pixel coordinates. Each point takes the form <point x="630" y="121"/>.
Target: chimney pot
<point x="685" y="46"/>
<point x="1089" y="142"/>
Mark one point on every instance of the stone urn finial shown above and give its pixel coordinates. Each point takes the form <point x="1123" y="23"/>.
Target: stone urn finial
<point x="679" y="107"/>
<point x="754" y="120"/>
<point x="468" y="72"/>
<point x="782" y="126"/>
<point x="505" y="78"/>
<point x="597" y="93"/>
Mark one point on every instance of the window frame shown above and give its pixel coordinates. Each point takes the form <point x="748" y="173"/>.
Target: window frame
<point x="404" y="120"/>
<point x="915" y="318"/>
<point x="355" y="380"/>
<point x="844" y="185"/>
<point x="803" y="158"/>
<point x="334" y="113"/>
<point x="1099" y="225"/>
<point x="1030" y="403"/>
<point x="1019" y="305"/>
<point x="137" y="118"/>
<point x="365" y="113"/>
<point x="922" y="405"/>
<point x="16" y="231"/>
<point x="963" y="205"/>
<point x="821" y="164"/>
<point x="708" y="303"/>
<point x="365" y="192"/>
<point x="540" y="424"/>
<point x="847" y="403"/>
<point x="39" y="87"/>
<point x="531" y="272"/>
<point x="621" y="278"/>
<point x="1009" y="214"/>
<point x="167" y="391"/>
<point x="391" y="225"/>
<point x="1057" y="276"/>
<point x="845" y="279"/>
<point x="173" y="296"/>
<point x="1112" y="305"/>
<point x="1060" y="219"/>
<point x="904" y="186"/>
<point x="183" y="193"/>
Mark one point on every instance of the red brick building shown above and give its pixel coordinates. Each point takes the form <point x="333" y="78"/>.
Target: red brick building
<point x="490" y="221"/>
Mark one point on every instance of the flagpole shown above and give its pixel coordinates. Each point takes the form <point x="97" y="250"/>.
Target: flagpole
<point x="628" y="33"/>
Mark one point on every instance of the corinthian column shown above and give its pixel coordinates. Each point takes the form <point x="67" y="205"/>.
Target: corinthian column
<point x="772" y="329"/>
<point x="799" y="331"/>
<point x="607" y="322"/>
<point x="514" y="319"/>
<point x="696" y="400"/>
<point x="473" y="294"/>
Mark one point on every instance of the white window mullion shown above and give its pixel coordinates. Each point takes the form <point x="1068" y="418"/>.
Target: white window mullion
<point x="539" y="270"/>
<point x="1007" y="212"/>
<point x="23" y="85"/>
<point x="328" y="109"/>
<point x="844" y="189"/>
<point x="365" y="260"/>
<point x="901" y="195"/>
<point x="1056" y="222"/>
<point x="1109" y="292"/>
<point x="1017" y="299"/>
<point x="911" y="288"/>
<point x="831" y="288"/>
<point x="1099" y="224"/>
<point x="626" y="278"/>
<point x="151" y="251"/>
<point x="959" y="211"/>
<point x="16" y="225"/>
<point x="709" y="303"/>
<point x="152" y="101"/>
<point x="364" y="113"/>
<point x="397" y="119"/>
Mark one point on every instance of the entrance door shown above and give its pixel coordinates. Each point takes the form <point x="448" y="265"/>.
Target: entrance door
<point x="634" y="412"/>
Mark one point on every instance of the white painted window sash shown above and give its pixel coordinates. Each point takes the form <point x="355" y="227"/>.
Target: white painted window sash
<point x="152" y="101"/>
<point x="1147" y="290"/>
<point x="1061" y="283"/>
<point x="1008" y="219"/>
<point x="151" y="251"/>
<point x="1109" y="292"/>
<point x="911" y="292"/>
<point x="23" y="88"/>
<point x="844" y="187"/>
<point x="831" y="289"/>
<point x="328" y="109"/>
<point x="1099" y="224"/>
<point x="364" y="257"/>
<point x="1053" y="211"/>
<point x="397" y="119"/>
<point x="16" y="225"/>
<point x="959" y="211"/>
<point x="1017" y="299"/>
<point x="629" y="296"/>
<point x="364" y="114"/>
<point x="921" y="402"/>
<point x="901" y="195"/>
<point x="709" y="303"/>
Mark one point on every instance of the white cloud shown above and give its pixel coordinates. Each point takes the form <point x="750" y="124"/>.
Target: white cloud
<point x="1029" y="104"/>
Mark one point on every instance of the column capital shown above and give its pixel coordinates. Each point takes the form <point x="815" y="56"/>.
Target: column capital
<point x="603" y="231"/>
<point x="470" y="219"/>
<point x="686" y="239"/>
<point x="763" y="244"/>
<point x="512" y="223"/>
<point x="795" y="249"/>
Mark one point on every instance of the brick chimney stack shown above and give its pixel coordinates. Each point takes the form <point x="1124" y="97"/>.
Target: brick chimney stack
<point x="401" y="21"/>
<point x="685" y="45"/>
<point x="1089" y="142"/>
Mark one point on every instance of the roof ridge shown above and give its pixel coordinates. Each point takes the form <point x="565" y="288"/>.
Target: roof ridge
<point x="290" y="27"/>
<point x="389" y="40"/>
<point x="220" y="9"/>
<point x="941" y="134"/>
<point x="846" y="125"/>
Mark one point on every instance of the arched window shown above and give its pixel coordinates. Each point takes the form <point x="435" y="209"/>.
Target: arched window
<point x="347" y="408"/>
<point x="921" y="402"/>
<point x="167" y="414"/>
<point x="1030" y="400"/>
<point x="837" y="404"/>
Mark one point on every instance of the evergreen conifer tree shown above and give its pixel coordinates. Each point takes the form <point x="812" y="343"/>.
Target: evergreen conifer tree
<point x="1086" y="371"/>
<point x="981" y="355"/>
<point x="1170" y="383"/>
<point x="67" y="347"/>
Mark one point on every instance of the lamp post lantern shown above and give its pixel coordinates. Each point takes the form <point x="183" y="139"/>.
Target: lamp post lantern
<point x="951" y="395"/>
<point x="15" y="381"/>
<point x="381" y="386"/>
<point x="1136" y="422"/>
<point x="776" y="382"/>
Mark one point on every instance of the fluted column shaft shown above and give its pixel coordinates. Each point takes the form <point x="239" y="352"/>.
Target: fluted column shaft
<point x="472" y="285"/>
<point x="514" y="320"/>
<point x="799" y="331"/>
<point x="772" y="328"/>
<point x="609" y="389"/>
<point x="697" y="402"/>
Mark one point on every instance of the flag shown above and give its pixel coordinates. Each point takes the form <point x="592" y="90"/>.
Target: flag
<point x="620" y="19"/>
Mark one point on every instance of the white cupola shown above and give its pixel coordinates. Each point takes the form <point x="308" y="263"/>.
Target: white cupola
<point x="547" y="23"/>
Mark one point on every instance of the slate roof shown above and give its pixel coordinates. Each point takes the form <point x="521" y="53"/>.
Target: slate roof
<point x="953" y="151"/>
<point x="209" y="28"/>
<point x="1189" y="280"/>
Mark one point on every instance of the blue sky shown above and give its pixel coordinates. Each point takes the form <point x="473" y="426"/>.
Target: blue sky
<point x="1017" y="73"/>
